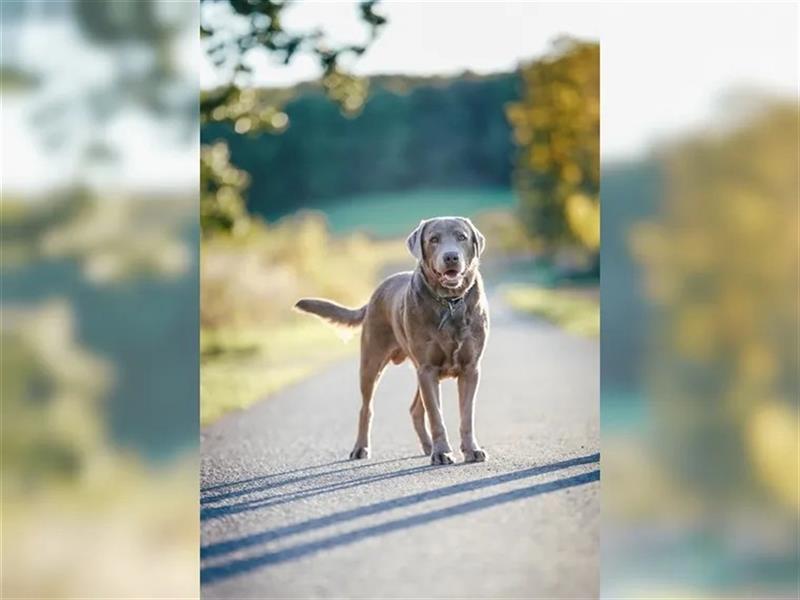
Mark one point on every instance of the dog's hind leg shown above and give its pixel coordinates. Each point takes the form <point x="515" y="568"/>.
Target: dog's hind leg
<point x="371" y="369"/>
<point x="418" y="418"/>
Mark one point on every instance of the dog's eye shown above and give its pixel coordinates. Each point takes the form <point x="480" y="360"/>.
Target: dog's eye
<point x="434" y="239"/>
<point x="461" y="237"/>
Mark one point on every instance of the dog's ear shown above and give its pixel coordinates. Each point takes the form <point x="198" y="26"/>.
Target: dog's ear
<point x="477" y="238"/>
<point x="414" y="241"/>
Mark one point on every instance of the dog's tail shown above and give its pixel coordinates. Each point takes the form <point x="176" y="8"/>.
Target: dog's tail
<point x="330" y="311"/>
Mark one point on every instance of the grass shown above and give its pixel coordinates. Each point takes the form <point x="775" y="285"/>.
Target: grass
<point x="240" y="367"/>
<point x="252" y="343"/>
<point x="395" y="214"/>
<point x="570" y="309"/>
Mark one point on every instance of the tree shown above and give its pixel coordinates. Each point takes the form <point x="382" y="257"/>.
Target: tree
<point x="721" y="267"/>
<point x="459" y="138"/>
<point x="556" y="127"/>
<point x="232" y="32"/>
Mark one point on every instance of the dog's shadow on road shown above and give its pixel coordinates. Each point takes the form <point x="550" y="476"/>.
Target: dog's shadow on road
<point x="223" y="564"/>
<point x="269" y="483"/>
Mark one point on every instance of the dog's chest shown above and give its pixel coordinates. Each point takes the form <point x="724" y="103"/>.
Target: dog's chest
<point x="456" y="348"/>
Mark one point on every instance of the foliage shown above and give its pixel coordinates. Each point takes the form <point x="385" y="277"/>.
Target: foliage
<point x="254" y="279"/>
<point x="50" y="385"/>
<point x="632" y="192"/>
<point x="233" y="32"/>
<point x="252" y="273"/>
<point x="66" y="482"/>
<point x="724" y="374"/>
<point x="112" y="238"/>
<point x="122" y="266"/>
<point x="413" y="133"/>
<point x="242" y="365"/>
<point x="96" y="376"/>
<point x="252" y="342"/>
<point x="574" y="311"/>
<point x="557" y="130"/>
<point x="222" y="207"/>
<point x="96" y="327"/>
<point x="507" y="234"/>
<point x="15" y="80"/>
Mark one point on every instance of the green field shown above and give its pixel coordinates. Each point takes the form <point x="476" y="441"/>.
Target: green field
<point x="575" y="310"/>
<point x="261" y="346"/>
<point x="397" y="213"/>
<point x="239" y="367"/>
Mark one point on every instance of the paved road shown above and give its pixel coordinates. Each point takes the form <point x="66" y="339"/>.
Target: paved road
<point x="284" y="516"/>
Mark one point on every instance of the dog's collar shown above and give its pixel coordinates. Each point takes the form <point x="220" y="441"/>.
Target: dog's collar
<point x="450" y="304"/>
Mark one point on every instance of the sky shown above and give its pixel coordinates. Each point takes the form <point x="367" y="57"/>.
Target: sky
<point x="152" y="156"/>
<point x="665" y="69"/>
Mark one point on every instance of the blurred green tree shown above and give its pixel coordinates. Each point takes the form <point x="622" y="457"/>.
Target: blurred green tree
<point x="460" y="138"/>
<point x="154" y="81"/>
<point x="232" y="32"/>
<point x="722" y="266"/>
<point x="222" y="205"/>
<point x="556" y="127"/>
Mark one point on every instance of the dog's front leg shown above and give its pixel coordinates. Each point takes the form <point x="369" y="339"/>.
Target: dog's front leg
<point x="467" y="389"/>
<point x="428" y="377"/>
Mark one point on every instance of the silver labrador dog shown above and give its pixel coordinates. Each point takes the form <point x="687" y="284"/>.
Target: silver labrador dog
<point x="438" y="317"/>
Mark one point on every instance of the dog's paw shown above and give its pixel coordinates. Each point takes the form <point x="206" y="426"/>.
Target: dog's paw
<point x="442" y="458"/>
<point x="359" y="452"/>
<point x="477" y="455"/>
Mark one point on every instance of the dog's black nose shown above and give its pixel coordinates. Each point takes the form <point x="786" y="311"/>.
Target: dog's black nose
<point x="450" y="258"/>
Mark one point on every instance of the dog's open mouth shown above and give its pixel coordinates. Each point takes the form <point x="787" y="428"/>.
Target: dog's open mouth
<point x="451" y="278"/>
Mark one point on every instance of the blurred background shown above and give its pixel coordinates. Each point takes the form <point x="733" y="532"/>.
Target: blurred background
<point x="699" y="294"/>
<point x="699" y="254"/>
<point x="99" y="299"/>
<point x="100" y="263"/>
<point x="314" y="173"/>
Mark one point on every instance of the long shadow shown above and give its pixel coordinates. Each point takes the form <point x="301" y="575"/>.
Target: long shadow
<point x="269" y="535"/>
<point x="270" y="482"/>
<point x="276" y="499"/>
<point x="218" y="486"/>
<point x="236" y="567"/>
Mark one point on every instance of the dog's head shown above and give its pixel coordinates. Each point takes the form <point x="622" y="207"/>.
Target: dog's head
<point x="448" y="249"/>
